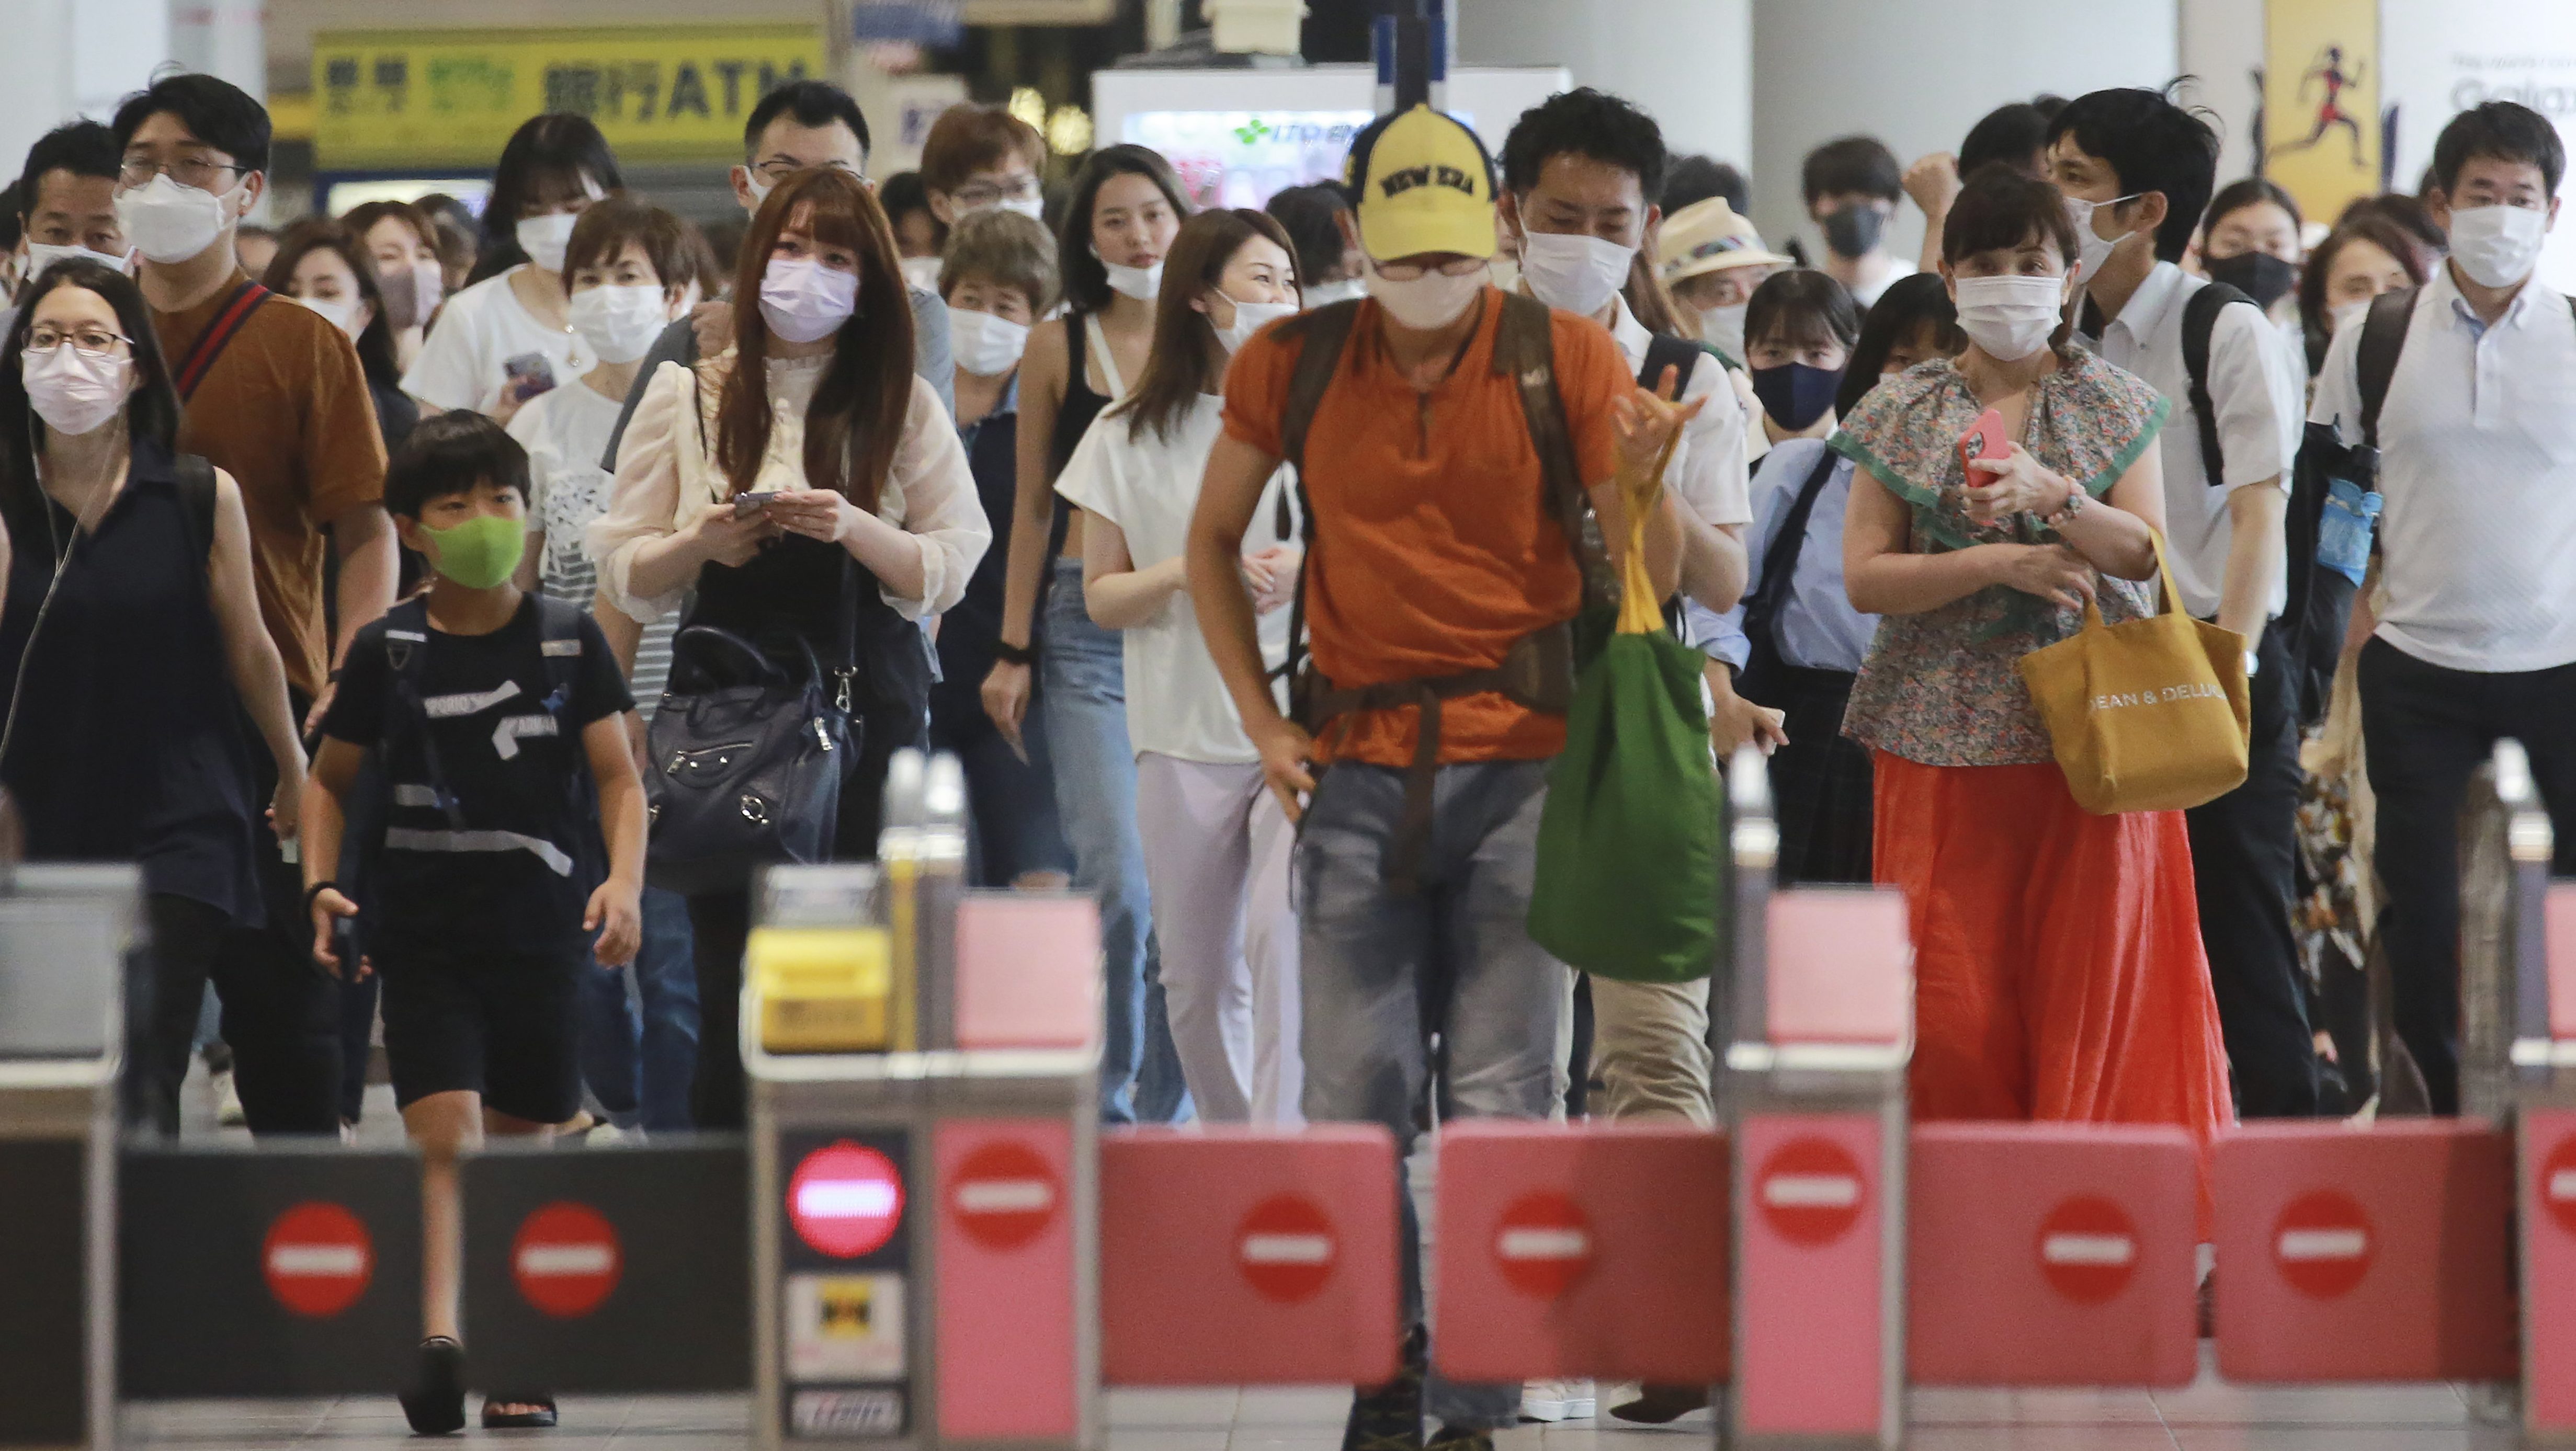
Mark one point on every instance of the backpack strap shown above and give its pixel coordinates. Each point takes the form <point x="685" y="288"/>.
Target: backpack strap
<point x="1665" y="351"/>
<point x="559" y="627"/>
<point x="197" y="494"/>
<point x="2199" y="320"/>
<point x="210" y="344"/>
<point x="2383" y="338"/>
<point x="1323" y="334"/>
<point x="1525" y="349"/>
<point x="407" y="662"/>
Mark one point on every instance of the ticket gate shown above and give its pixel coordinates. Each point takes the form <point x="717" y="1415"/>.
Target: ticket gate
<point x="65" y="936"/>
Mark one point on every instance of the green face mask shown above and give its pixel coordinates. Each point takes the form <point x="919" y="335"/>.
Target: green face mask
<point x="479" y="553"/>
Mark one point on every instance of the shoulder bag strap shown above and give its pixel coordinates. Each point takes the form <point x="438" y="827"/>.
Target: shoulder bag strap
<point x="1780" y="561"/>
<point x="210" y="344"/>
<point x="2383" y="338"/>
<point x="1665" y="351"/>
<point x="197" y="494"/>
<point x="2199" y="320"/>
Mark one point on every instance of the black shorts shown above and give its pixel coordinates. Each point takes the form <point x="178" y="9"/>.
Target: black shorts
<point x="501" y="1024"/>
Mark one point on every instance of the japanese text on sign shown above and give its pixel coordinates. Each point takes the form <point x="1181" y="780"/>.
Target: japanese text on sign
<point x="424" y="98"/>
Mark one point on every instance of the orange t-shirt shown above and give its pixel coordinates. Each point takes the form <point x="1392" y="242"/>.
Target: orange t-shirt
<point x="285" y="410"/>
<point x="1435" y="548"/>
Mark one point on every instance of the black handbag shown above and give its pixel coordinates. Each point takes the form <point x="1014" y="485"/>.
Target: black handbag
<point x="748" y="761"/>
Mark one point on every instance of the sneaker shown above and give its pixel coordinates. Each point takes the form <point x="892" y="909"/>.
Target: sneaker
<point x="1451" y="1439"/>
<point x="228" y="1104"/>
<point x="1389" y="1417"/>
<point x="1656" y="1405"/>
<point x="1560" y="1400"/>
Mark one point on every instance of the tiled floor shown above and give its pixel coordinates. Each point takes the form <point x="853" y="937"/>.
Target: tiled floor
<point x="2207" y="1416"/>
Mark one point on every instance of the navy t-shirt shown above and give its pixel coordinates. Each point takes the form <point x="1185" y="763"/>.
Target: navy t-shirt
<point x="518" y="874"/>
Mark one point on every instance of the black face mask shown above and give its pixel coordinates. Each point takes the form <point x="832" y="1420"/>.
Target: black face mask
<point x="1796" y="395"/>
<point x="1854" y="230"/>
<point x="2259" y="275"/>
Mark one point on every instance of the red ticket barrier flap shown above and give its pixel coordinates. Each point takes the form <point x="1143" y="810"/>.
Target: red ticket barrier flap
<point x="2549" y="1268"/>
<point x="1249" y="1257"/>
<point x="1811" y="1360"/>
<point x="2365" y="1254"/>
<point x="1842" y="966"/>
<point x="2051" y="1254"/>
<point x="1028" y="971"/>
<point x="1007" y="1335"/>
<point x="1596" y="1251"/>
<point x="2559" y="922"/>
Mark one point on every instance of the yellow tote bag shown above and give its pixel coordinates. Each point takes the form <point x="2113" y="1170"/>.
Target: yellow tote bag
<point x="2150" y="715"/>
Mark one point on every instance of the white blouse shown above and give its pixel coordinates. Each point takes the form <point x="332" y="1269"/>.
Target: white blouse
<point x="666" y="477"/>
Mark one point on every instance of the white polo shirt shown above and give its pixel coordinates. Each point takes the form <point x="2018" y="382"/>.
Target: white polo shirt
<point x="1707" y="472"/>
<point x="2477" y="470"/>
<point x="2255" y="382"/>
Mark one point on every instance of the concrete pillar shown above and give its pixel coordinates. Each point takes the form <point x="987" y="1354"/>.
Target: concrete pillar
<point x="1687" y="61"/>
<point x="225" y="38"/>
<point x="1918" y="75"/>
<point x="2222" y="44"/>
<point x="36" y="76"/>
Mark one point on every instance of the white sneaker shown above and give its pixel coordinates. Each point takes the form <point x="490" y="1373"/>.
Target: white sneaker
<point x="228" y="1104"/>
<point x="1559" y="1400"/>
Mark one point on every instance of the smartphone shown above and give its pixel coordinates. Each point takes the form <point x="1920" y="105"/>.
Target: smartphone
<point x="1985" y="438"/>
<point x="344" y="946"/>
<point x="530" y="374"/>
<point x="748" y="504"/>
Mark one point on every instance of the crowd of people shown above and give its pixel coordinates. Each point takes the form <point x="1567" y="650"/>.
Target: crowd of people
<point x="359" y="574"/>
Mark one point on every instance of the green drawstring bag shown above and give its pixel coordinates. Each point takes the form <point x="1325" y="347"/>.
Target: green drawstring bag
<point x="1628" y="845"/>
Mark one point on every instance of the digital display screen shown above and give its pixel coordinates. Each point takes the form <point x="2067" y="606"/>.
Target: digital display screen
<point x="1243" y="158"/>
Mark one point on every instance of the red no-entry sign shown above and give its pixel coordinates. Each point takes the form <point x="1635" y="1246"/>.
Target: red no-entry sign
<point x="2558" y="1184"/>
<point x="2323" y="1244"/>
<point x="1543" y="1244"/>
<point x="1005" y="1195"/>
<point x="317" y="1259"/>
<point x="1811" y="1191"/>
<point x="1286" y="1248"/>
<point x="566" y="1259"/>
<point x="2088" y="1249"/>
<point x="845" y="1200"/>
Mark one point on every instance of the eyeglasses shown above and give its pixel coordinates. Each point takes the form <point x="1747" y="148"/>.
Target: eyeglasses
<point x="987" y="194"/>
<point x="193" y="171"/>
<point x="97" y="342"/>
<point x="1416" y="271"/>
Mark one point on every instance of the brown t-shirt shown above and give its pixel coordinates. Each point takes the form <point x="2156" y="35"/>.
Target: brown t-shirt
<point x="1434" y="545"/>
<point x="285" y="411"/>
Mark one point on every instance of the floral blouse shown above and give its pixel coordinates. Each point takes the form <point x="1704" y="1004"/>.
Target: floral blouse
<point x="1943" y="688"/>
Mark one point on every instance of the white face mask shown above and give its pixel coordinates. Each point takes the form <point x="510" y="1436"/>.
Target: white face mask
<point x="2010" y="317"/>
<point x="804" y="301"/>
<point x="2497" y="246"/>
<point x="1249" y="318"/>
<point x="1349" y="289"/>
<point x="619" y="323"/>
<point x="1577" y="274"/>
<point x="985" y="345"/>
<point x="340" y="312"/>
<point x="73" y="391"/>
<point x="922" y="272"/>
<point x="1141" y="283"/>
<point x="170" y="222"/>
<point x="1031" y="207"/>
<point x="759" y="189"/>
<point x="544" y="239"/>
<point x="2092" y="251"/>
<point x="41" y="255"/>
<point x="1723" y="329"/>
<point x="2348" y="315"/>
<point x="1433" y="300"/>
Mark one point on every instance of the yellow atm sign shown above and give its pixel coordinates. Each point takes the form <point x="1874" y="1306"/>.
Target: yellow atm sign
<point x="412" y="98"/>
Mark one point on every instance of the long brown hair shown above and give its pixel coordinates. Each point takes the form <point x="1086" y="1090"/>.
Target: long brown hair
<point x="1178" y="369"/>
<point x="857" y="414"/>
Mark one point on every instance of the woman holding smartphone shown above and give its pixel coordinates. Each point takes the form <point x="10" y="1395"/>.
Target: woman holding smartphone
<point x="509" y="336"/>
<point x="803" y="483"/>
<point x="2059" y="970"/>
<point x="1127" y="207"/>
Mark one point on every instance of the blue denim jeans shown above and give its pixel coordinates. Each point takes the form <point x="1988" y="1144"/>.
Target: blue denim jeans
<point x="1382" y="972"/>
<point x="1082" y="688"/>
<point x="638" y="1054"/>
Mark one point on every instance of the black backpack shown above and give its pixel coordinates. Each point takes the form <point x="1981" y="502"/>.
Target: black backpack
<point x="2199" y="320"/>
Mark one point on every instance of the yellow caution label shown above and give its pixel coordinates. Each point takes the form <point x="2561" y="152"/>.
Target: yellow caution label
<point x="821" y="989"/>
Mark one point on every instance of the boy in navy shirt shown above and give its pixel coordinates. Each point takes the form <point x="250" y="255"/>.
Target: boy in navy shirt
<point x="496" y="720"/>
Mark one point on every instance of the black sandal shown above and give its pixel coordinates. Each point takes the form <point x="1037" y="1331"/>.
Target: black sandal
<point x="435" y="1403"/>
<point x="537" y="1420"/>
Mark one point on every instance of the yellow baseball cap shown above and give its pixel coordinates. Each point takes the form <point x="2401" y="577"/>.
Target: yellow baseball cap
<point x="1422" y="183"/>
<point x="1708" y="236"/>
